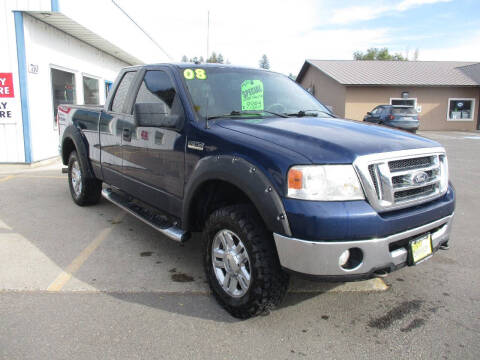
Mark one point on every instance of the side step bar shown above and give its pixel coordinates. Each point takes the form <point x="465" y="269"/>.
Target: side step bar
<point x="158" y="223"/>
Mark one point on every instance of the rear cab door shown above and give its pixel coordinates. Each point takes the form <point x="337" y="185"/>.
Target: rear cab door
<point x="111" y="125"/>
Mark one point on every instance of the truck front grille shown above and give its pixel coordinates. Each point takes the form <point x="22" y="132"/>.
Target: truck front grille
<point x="414" y="163"/>
<point x="404" y="178"/>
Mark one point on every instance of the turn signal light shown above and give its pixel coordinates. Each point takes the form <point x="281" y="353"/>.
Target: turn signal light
<point x="295" y="179"/>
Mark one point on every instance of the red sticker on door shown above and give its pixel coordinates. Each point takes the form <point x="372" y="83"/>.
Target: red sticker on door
<point x="6" y="85"/>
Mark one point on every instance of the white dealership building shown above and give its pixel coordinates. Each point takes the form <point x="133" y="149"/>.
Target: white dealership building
<point x="57" y="51"/>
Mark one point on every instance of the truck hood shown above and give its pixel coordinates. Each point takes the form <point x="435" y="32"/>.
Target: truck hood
<point x="327" y="140"/>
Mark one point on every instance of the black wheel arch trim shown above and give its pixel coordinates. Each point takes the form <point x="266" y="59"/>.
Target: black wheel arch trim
<point x="249" y="179"/>
<point x="81" y="146"/>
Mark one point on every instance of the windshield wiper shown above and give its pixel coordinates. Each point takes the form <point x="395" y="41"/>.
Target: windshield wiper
<point x="303" y="113"/>
<point x="246" y="112"/>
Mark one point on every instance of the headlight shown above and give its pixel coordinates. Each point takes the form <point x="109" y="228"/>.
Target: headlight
<point x="324" y="183"/>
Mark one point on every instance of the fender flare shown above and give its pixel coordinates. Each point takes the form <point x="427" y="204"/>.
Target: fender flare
<point x="249" y="179"/>
<point x="81" y="146"/>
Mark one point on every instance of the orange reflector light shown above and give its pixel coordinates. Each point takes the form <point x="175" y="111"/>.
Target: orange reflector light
<point x="295" y="179"/>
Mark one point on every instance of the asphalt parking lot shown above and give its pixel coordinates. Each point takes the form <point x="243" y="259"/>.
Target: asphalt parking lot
<point x="94" y="282"/>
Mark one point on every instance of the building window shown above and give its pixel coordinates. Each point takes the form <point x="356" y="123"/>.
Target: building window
<point x="63" y="90"/>
<point x="405" y="102"/>
<point x="90" y="91"/>
<point x="460" y="109"/>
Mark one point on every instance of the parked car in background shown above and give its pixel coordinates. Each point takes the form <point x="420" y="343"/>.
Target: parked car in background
<point x="397" y="116"/>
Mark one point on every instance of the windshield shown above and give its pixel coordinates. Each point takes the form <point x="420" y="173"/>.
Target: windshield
<point x="404" y="111"/>
<point x="248" y="93"/>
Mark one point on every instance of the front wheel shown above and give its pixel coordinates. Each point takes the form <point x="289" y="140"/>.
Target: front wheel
<point x="241" y="262"/>
<point x="84" y="191"/>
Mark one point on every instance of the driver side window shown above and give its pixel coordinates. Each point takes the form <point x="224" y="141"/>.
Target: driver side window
<point x="157" y="88"/>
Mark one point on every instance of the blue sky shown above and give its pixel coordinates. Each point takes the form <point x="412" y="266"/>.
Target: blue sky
<point x="431" y="25"/>
<point x="294" y="30"/>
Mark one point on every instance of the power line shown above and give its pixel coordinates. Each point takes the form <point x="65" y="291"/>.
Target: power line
<point x="153" y="40"/>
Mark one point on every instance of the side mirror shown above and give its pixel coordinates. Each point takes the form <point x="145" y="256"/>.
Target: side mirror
<point x="369" y="113"/>
<point x="154" y="115"/>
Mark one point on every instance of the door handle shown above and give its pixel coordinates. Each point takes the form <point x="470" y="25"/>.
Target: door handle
<point x="126" y="134"/>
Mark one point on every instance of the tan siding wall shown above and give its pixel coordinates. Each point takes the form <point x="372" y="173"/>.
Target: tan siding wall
<point x="327" y="90"/>
<point x="433" y="100"/>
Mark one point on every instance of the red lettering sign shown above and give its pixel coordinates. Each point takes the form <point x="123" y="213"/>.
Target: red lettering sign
<point x="6" y="85"/>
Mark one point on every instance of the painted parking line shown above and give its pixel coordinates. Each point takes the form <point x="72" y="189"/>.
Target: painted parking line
<point x="10" y="177"/>
<point x="4" y="226"/>
<point x="300" y="286"/>
<point x="42" y="176"/>
<point x="6" y="178"/>
<point x="76" y="264"/>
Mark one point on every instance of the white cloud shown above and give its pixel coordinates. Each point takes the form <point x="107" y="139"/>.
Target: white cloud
<point x="466" y="50"/>
<point x="241" y="31"/>
<point x="285" y="31"/>
<point x="408" y="4"/>
<point x="356" y="13"/>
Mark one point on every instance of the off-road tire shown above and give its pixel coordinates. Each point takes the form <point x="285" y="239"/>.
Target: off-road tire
<point x="91" y="189"/>
<point x="268" y="284"/>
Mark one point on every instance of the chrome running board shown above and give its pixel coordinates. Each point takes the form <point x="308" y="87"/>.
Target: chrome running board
<point x="159" y="223"/>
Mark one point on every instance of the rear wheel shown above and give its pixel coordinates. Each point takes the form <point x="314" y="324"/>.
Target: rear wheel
<point x="84" y="191"/>
<point x="241" y="262"/>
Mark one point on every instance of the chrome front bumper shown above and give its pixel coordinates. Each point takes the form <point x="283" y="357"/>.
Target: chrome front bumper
<point x="322" y="258"/>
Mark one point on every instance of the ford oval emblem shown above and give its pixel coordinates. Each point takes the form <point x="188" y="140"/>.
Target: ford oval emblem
<point x="419" y="178"/>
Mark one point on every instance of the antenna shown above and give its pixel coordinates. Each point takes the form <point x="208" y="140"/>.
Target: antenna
<point x="208" y="34"/>
<point x="206" y="59"/>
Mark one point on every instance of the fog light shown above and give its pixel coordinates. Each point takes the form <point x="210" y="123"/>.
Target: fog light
<point x="342" y="260"/>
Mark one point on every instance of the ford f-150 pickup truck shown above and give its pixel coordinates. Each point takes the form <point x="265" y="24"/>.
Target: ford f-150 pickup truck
<point x="275" y="182"/>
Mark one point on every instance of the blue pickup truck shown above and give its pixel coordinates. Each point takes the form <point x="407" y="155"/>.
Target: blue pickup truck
<point x="275" y="182"/>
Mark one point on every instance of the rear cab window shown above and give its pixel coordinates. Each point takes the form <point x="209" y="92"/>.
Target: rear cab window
<point x="118" y="102"/>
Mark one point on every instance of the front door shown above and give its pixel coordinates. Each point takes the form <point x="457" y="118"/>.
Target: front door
<point x="153" y="157"/>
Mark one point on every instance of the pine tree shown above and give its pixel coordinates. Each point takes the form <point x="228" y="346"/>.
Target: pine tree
<point x="212" y="58"/>
<point x="264" y="63"/>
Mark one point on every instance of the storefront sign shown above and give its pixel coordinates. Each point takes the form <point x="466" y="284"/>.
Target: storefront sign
<point x="5" y="113"/>
<point x="6" y="85"/>
<point x="6" y="91"/>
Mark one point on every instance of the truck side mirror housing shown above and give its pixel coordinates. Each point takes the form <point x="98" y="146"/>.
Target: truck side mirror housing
<point x="154" y="115"/>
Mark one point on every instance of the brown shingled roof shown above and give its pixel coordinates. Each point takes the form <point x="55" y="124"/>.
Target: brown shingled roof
<point x="414" y="73"/>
